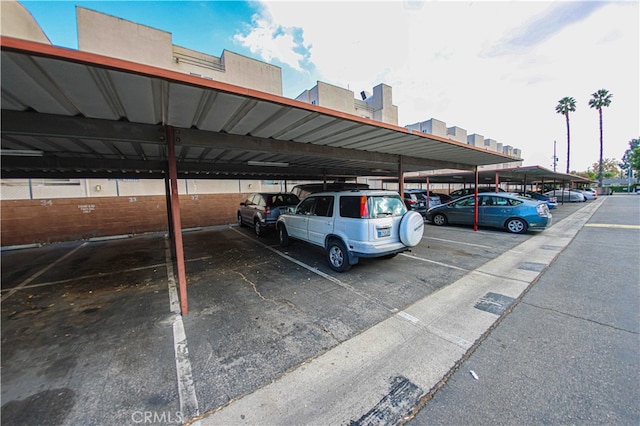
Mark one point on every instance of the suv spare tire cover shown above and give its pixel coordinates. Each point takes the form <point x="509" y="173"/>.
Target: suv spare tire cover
<point x="411" y="228"/>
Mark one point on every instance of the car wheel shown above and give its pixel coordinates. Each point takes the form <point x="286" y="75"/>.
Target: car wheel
<point x="283" y="236"/>
<point x="240" y="223"/>
<point x="257" y="228"/>
<point x="337" y="256"/>
<point x="439" y="220"/>
<point x="516" y="226"/>
<point x="411" y="229"/>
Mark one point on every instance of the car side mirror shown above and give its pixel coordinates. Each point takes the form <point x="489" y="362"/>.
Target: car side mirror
<point x="243" y="204"/>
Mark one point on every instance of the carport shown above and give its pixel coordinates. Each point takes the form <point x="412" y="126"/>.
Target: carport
<point x="525" y="175"/>
<point x="72" y="114"/>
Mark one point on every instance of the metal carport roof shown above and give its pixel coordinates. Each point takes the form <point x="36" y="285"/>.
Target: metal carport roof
<point x="526" y="175"/>
<point x="67" y="113"/>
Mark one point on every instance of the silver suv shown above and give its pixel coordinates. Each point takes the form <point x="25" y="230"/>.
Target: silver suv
<point x="353" y="224"/>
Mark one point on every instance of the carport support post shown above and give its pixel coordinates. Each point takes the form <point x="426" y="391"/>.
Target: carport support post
<point x="400" y="178"/>
<point x="475" y="201"/>
<point x="428" y="196"/>
<point x="167" y="191"/>
<point x="175" y="214"/>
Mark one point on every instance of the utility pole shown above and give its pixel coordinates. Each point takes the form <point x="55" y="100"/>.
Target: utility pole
<point x="555" y="157"/>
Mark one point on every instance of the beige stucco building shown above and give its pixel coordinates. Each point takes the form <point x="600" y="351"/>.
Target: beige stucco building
<point x="17" y="22"/>
<point x="118" y="38"/>
<point x="378" y="106"/>
<point x="455" y="133"/>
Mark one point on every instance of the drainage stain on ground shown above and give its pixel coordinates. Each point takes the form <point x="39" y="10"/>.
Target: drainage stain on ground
<point x="48" y="407"/>
<point x="494" y="303"/>
<point x="402" y="397"/>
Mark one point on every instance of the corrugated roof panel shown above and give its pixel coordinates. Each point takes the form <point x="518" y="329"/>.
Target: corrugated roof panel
<point x="250" y="122"/>
<point x="321" y="133"/>
<point x="23" y="80"/>
<point x="356" y="131"/>
<point x="90" y="90"/>
<point x="184" y="102"/>
<point x="280" y="122"/>
<point x="310" y="124"/>
<point x="138" y="96"/>
<point x="217" y="110"/>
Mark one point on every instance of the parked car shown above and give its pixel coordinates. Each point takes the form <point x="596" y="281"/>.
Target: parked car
<point x="431" y="199"/>
<point x="304" y="190"/>
<point x="589" y="193"/>
<point x="552" y="202"/>
<point x="498" y="210"/>
<point x="351" y="225"/>
<point x="414" y="200"/>
<point x="568" y="195"/>
<point x="468" y="191"/>
<point x="261" y="210"/>
<point x="444" y="198"/>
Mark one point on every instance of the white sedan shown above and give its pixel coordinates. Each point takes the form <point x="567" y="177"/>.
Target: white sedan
<point x="570" y="195"/>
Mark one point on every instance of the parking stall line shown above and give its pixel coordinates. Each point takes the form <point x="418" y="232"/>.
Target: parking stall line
<point x="40" y="272"/>
<point x="102" y="274"/>
<point x="457" y="242"/>
<point x="446" y="265"/>
<point x="186" y="387"/>
<point x="320" y="273"/>
<point x="611" y="225"/>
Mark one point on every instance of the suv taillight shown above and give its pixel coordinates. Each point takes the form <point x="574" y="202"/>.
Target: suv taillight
<point x="364" y="210"/>
<point x="267" y="207"/>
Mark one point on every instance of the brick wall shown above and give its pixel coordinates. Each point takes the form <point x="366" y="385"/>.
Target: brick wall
<point x="68" y="219"/>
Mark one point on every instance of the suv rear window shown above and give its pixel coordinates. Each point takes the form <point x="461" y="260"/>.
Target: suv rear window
<point x="372" y="206"/>
<point x="285" y="199"/>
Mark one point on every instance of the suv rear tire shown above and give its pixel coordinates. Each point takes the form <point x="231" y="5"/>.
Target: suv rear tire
<point x="338" y="256"/>
<point x="257" y="228"/>
<point x="283" y="236"/>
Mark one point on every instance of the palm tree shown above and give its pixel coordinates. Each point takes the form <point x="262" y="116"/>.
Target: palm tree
<point x="564" y="107"/>
<point x="599" y="100"/>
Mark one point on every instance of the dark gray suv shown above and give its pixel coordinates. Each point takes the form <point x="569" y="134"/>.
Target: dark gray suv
<point x="261" y="210"/>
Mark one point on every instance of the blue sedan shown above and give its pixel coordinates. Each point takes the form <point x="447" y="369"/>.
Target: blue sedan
<point x="552" y="202"/>
<point x="498" y="210"/>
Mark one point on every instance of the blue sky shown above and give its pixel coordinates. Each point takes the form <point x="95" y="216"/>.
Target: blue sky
<point x="493" y="68"/>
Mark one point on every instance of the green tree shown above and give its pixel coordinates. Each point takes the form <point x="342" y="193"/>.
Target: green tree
<point x="599" y="100"/>
<point x="564" y="107"/>
<point x="610" y="168"/>
<point x="631" y="158"/>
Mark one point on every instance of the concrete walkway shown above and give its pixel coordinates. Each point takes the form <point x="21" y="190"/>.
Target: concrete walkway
<point x="378" y="376"/>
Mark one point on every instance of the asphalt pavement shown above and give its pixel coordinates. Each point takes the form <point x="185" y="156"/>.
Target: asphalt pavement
<point x="569" y="351"/>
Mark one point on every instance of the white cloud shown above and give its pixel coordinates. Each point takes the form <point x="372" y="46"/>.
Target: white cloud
<point x="435" y="56"/>
<point x="271" y="40"/>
